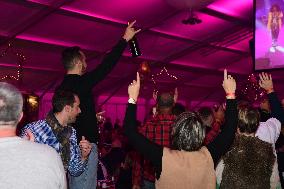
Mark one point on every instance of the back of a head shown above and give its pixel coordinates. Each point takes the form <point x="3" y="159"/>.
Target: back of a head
<point x="11" y="104"/>
<point x="165" y="100"/>
<point x="275" y="7"/>
<point x="178" y="109"/>
<point x="248" y="119"/>
<point x="206" y="115"/>
<point x="62" y="98"/>
<point x="69" y="55"/>
<point x="188" y="132"/>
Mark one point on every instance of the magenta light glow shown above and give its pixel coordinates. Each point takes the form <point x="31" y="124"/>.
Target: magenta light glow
<point x="88" y="13"/>
<point x="233" y="8"/>
<point x="43" y="2"/>
<point x="174" y="27"/>
<point x="51" y="41"/>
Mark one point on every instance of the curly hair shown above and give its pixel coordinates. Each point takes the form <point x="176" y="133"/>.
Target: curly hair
<point x="188" y="132"/>
<point x="276" y="7"/>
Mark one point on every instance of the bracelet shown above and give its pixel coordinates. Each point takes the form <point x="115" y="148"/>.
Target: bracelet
<point x="131" y="101"/>
<point x="231" y="97"/>
<point x="270" y="90"/>
<point x="230" y="94"/>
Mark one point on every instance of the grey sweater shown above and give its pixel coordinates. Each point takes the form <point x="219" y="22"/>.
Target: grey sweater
<point x="28" y="165"/>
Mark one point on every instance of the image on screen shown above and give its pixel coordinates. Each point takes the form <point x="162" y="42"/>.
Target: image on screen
<point x="269" y="34"/>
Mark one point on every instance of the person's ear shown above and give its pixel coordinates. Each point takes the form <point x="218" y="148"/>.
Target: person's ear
<point x="21" y="117"/>
<point x="77" y="63"/>
<point x="67" y="108"/>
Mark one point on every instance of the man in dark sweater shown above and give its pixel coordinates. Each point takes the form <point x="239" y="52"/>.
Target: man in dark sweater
<point x="81" y="83"/>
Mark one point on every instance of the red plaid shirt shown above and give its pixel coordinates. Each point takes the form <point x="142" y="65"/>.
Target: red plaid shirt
<point x="158" y="130"/>
<point x="213" y="133"/>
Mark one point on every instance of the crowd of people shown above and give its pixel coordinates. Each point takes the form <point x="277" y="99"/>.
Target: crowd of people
<point x="234" y="145"/>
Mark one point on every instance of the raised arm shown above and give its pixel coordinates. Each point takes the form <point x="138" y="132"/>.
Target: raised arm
<point x="223" y="141"/>
<point x="276" y="108"/>
<point x="150" y="150"/>
<point x="110" y="59"/>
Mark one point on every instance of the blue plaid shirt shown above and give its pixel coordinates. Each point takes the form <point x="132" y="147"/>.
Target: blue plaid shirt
<point x="43" y="134"/>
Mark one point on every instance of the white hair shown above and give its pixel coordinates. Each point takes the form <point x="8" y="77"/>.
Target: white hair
<point x="11" y="104"/>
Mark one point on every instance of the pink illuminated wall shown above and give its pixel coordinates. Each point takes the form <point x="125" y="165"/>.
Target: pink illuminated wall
<point x="116" y="106"/>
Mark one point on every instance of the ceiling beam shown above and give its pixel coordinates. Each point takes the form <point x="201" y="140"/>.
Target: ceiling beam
<point x="129" y="60"/>
<point x="189" y="68"/>
<point x="147" y="28"/>
<point x="34" y="19"/>
<point x="246" y="23"/>
<point x="32" y="68"/>
<point x="151" y="30"/>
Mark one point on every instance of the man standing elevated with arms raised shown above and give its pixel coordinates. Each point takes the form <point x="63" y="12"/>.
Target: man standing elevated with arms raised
<point x="81" y="83"/>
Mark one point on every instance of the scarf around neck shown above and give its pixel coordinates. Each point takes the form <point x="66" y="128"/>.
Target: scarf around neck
<point x="62" y="134"/>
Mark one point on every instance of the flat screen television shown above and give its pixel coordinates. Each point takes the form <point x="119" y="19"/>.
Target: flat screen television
<point x="268" y="44"/>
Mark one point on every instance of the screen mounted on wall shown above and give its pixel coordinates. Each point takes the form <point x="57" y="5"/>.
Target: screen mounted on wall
<point x="269" y="34"/>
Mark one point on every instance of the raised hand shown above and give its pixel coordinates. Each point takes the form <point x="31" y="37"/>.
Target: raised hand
<point x="29" y="136"/>
<point x="229" y="85"/>
<point x="265" y="82"/>
<point x="85" y="147"/>
<point x="130" y="31"/>
<point x="100" y="116"/>
<point x="155" y="94"/>
<point x="134" y="87"/>
<point x="176" y="95"/>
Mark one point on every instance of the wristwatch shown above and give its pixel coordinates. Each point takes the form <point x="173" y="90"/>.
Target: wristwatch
<point x="131" y="101"/>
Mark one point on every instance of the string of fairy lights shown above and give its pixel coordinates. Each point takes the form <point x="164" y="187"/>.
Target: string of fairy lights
<point x="251" y="91"/>
<point x="163" y="70"/>
<point x="21" y="59"/>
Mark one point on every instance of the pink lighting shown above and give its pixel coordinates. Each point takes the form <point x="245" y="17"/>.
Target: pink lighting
<point x="233" y="8"/>
<point x="44" y="2"/>
<point x="51" y="41"/>
<point x="88" y="13"/>
<point x="189" y="52"/>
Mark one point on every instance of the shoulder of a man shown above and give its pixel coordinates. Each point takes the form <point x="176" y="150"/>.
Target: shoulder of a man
<point x="48" y="155"/>
<point x="269" y="131"/>
<point x="40" y="150"/>
<point x="35" y="127"/>
<point x="41" y="131"/>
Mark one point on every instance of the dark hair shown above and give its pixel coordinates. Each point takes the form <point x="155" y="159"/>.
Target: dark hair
<point x="69" y="55"/>
<point x="165" y="100"/>
<point x="178" y="109"/>
<point x="248" y="119"/>
<point x="275" y="6"/>
<point x="188" y="132"/>
<point x="62" y="98"/>
<point x="205" y="113"/>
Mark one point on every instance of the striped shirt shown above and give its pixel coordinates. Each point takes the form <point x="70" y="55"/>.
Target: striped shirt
<point x="43" y="134"/>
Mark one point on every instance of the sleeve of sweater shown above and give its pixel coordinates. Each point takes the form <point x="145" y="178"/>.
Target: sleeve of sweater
<point x="276" y="107"/>
<point x="91" y="78"/>
<point x="148" y="149"/>
<point x="223" y="141"/>
<point x="76" y="166"/>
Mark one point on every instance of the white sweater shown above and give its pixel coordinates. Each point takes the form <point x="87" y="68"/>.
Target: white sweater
<point x="28" y="165"/>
